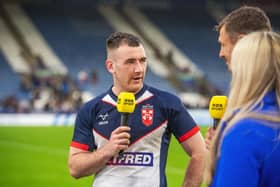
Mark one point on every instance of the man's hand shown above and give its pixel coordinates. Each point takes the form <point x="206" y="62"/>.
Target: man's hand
<point x="119" y="140"/>
<point x="209" y="137"/>
<point x="84" y="163"/>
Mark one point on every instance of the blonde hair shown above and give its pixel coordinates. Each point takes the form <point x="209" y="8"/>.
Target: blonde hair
<point x="255" y="71"/>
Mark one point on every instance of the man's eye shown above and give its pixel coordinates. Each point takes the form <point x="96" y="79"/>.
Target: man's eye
<point x="143" y="60"/>
<point x="130" y="61"/>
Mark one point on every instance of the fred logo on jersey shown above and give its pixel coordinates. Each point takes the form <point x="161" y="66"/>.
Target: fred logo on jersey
<point x="147" y="114"/>
<point x="133" y="159"/>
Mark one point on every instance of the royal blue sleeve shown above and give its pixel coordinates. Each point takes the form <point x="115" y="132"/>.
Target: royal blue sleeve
<point x="240" y="158"/>
<point x="83" y="135"/>
<point x="181" y="122"/>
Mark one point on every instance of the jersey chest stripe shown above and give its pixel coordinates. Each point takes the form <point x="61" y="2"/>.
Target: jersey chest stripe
<point x="100" y="134"/>
<point x="164" y="123"/>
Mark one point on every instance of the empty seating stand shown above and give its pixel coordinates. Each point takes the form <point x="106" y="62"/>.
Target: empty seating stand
<point x="78" y="38"/>
<point x="193" y="33"/>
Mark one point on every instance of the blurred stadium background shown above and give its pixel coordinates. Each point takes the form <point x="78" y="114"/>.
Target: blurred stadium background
<point x="52" y="55"/>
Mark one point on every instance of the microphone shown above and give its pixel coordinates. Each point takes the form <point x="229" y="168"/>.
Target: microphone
<point x="217" y="108"/>
<point x="126" y="106"/>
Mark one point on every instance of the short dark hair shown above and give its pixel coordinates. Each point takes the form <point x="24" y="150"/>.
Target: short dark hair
<point x="119" y="38"/>
<point x="244" y="20"/>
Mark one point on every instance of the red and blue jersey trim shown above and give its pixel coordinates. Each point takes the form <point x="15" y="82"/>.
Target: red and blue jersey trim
<point x="79" y="145"/>
<point x="189" y="134"/>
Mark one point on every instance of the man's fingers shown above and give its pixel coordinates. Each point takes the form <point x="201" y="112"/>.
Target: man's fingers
<point x="209" y="136"/>
<point x="120" y="138"/>
<point x="121" y="129"/>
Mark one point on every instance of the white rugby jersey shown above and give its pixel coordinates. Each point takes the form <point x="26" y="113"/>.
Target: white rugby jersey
<point x="157" y="114"/>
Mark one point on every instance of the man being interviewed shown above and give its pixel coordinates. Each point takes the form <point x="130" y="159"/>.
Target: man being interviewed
<point x="98" y="137"/>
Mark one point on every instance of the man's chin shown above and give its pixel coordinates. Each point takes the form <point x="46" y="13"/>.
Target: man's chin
<point x="229" y="67"/>
<point x="136" y="87"/>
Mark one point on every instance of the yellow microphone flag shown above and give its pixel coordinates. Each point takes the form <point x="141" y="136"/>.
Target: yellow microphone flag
<point x="217" y="106"/>
<point x="126" y="102"/>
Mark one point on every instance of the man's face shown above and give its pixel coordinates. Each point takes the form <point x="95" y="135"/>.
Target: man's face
<point x="226" y="46"/>
<point x="128" y="67"/>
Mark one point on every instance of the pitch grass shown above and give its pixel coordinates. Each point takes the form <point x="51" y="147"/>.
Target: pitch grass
<point x="37" y="156"/>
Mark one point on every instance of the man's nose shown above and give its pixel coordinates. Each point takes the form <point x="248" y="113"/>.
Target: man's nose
<point x="221" y="54"/>
<point x="138" y="67"/>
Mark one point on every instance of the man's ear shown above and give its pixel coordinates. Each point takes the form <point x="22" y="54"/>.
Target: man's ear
<point x="109" y="65"/>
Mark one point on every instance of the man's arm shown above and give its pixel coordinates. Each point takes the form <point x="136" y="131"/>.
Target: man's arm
<point x="84" y="163"/>
<point x="196" y="149"/>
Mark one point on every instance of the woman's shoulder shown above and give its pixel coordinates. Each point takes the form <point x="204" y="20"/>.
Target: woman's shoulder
<point x="249" y="128"/>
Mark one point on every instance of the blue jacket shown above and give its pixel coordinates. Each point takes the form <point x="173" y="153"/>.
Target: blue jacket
<point x="250" y="152"/>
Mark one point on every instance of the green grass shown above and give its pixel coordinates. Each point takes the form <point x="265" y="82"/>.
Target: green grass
<point x="37" y="156"/>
